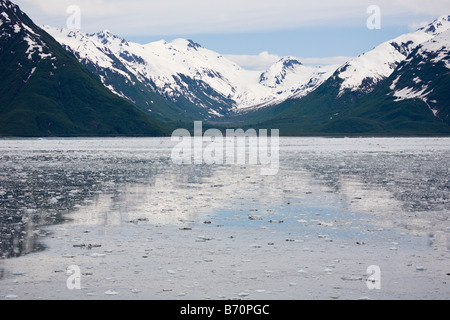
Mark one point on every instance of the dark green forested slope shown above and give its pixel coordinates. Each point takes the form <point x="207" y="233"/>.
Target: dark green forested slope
<point x="45" y="91"/>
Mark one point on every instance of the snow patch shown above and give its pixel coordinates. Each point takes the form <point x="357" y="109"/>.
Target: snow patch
<point x="5" y="15"/>
<point x="30" y="30"/>
<point x="411" y="93"/>
<point x="435" y="112"/>
<point x="417" y="80"/>
<point x="31" y="73"/>
<point x="31" y="47"/>
<point x="394" y="83"/>
<point x="120" y="94"/>
<point x="45" y="55"/>
<point x="214" y="113"/>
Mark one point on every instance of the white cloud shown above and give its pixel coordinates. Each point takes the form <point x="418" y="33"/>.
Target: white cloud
<point x="339" y="60"/>
<point x="429" y="7"/>
<point x="265" y="59"/>
<point x="258" y="62"/>
<point x="168" y="17"/>
<point x="417" y="25"/>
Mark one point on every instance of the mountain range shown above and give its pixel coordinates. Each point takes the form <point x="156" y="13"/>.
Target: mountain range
<point x="400" y="87"/>
<point x="183" y="72"/>
<point x="62" y="82"/>
<point x="45" y="91"/>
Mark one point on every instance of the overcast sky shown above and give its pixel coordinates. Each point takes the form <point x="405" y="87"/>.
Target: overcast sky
<point x="250" y="31"/>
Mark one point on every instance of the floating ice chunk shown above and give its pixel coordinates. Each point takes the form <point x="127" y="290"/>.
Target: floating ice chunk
<point x="351" y="278"/>
<point x="203" y="239"/>
<point x="420" y="268"/>
<point x="325" y="224"/>
<point x="98" y="255"/>
<point x="11" y="296"/>
<point x="111" y="293"/>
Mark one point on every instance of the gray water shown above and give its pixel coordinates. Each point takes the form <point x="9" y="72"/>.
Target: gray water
<point x="354" y="186"/>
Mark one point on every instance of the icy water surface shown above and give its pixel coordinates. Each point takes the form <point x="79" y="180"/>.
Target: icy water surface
<point x="61" y="195"/>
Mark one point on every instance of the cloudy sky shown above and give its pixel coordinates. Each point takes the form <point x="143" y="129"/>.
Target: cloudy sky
<point x="252" y="32"/>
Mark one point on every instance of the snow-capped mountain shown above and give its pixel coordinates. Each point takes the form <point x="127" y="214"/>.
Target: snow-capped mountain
<point x="182" y="70"/>
<point x="14" y="24"/>
<point x="45" y="91"/>
<point x="362" y="74"/>
<point x="402" y="87"/>
<point x="425" y="75"/>
<point x="205" y="83"/>
<point x="291" y="79"/>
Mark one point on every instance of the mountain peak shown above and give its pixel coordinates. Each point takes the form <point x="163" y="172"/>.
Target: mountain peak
<point x="46" y="92"/>
<point x="6" y="4"/>
<point x="439" y="25"/>
<point x="106" y="36"/>
<point x="104" y="33"/>
<point x="12" y="8"/>
<point x="365" y="72"/>
<point x="186" y="42"/>
<point x="290" y="62"/>
<point x="193" y="45"/>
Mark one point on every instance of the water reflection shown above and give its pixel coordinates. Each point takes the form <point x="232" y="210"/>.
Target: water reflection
<point x="43" y="180"/>
<point x="402" y="182"/>
<point x="180" y="196"/>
